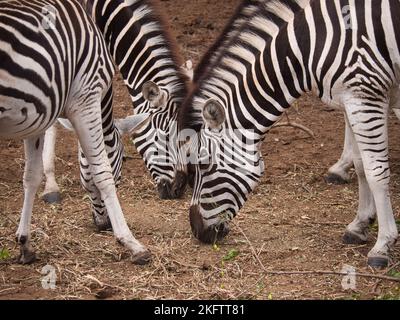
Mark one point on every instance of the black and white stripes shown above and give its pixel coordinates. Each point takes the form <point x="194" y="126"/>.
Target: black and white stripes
<point x="54" y="62"/>
<point x="145" y="53"/>
<point x="345" y="51"/>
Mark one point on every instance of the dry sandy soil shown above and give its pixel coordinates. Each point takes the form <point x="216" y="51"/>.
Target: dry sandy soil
<point x="294" y="221"/>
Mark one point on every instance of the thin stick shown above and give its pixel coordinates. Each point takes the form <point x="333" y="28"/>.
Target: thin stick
<point x="7" y="289"/>
<point x="289" y="123"/>
<point x="318" y="272"/>
<point x="314" y="272"/>
<point x="297" y="126"/>
<point x="380" y="280"/>
<point x="250" y="245"/>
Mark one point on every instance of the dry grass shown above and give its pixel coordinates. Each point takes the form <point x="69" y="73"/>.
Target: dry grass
<point x="292" y="222"/>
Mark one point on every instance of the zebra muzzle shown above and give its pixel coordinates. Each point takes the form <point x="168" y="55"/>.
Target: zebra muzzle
<point x="175" y="190"/>
<point x="206" y="234"/>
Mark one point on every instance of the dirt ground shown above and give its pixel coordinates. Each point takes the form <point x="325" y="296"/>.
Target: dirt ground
<point x="293" y="222"/>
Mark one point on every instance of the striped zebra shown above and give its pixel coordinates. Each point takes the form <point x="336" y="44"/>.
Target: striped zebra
<point x="339" y="172"/>
<point x="54" y="62"/>
<point x="146" y="55"/>
<point x="344" y="51"/>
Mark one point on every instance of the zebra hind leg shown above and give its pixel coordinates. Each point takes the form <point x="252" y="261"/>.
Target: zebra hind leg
<point x="51" y="193"/>
<point x="33" y="175"/>
<point x="339" y="172"/>
<point x="357" y="231"/>
<point x="92" y="142"/>
<point x="99" y="213"/>
<point x="369" y="126"/>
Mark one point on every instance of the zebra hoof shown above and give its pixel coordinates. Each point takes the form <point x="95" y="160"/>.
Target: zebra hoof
<point x="333" y="178"/>
<point x="26" y="257"/>
<point x="353" y="238"/>
<point x="52" y="198"/>
<point x="380" y="262"/>
<point x="142" y="258"/>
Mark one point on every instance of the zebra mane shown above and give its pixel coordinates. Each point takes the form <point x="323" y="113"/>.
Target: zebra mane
<point x="272" y="15"/>
<point x="156" y="17"/>
<point x="223" y="38"/>
<point x="172" y="46"/>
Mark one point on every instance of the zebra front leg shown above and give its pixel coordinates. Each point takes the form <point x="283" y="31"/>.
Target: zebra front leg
<point x="339" y="172"/>
<point x="51" y="193"/>
<point x="33" y="175"/>
<point x="371" y="137"/>
<point x="92" y="143"/>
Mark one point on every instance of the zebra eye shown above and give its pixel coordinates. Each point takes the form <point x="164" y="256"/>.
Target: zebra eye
<point x="203" y="153"/>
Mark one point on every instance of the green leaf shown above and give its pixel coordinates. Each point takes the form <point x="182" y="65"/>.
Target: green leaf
<point x="4" y="254"/>
<point x="394" y="273"/>
<point x="232" y="254"/>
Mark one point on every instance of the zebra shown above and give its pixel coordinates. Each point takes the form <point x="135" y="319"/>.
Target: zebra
<point x="351" y="63"/>
<point x="147" y="57"/>
<point x="54" y="63"/>
<point x="339" y="172"/>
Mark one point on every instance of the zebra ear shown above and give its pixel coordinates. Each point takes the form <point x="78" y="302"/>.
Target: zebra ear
<point x="214" y="114"/>
<point x="152" y="93"/>
<point x="66" y="124"/>
<point x="131" y="123"/>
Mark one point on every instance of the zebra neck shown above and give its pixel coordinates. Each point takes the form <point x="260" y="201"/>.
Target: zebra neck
<point x="262" y="71"/>
<point x="139" y="45"/>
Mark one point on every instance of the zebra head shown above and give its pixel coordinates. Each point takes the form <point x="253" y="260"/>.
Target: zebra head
<point x="228" y="167"/>
<point x="155" y="139"/>
<point x="147" y="57"/>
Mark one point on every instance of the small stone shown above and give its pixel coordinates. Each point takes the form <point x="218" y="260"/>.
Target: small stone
<point x="105" y="293"/>
<point x="206" y="266"/>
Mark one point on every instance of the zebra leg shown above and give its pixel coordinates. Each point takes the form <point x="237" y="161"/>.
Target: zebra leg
<point x="99" y="212"/>
<point x="51" y="192"/>
<point x="339" y="172"/>
<point x="92" y="143"/>
<point x="357" y="231"/>
<point x="371" y="137"/>
<point x="395" y="102"/>
<point x="33" y="175"/>
<point x="397" y="113"/>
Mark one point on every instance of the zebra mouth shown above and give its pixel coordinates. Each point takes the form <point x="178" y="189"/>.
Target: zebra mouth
<point x="210" y="234"/>
<point x="175" y="190"/>
<point x="191" y="175"/>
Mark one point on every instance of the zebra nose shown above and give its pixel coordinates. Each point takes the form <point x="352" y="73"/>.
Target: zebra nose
<point x="191" y="176"/>
<point x="210" y="234"/>
<point x="164" y="189"/>
<point x="175" y="190"/>
<point x="179" y="185"/>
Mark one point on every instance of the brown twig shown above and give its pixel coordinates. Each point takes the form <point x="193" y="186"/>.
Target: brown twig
<point x="297" y="126"/>
<point x="250" y="245"/>
<point x="380" y="280"/>
<point x="313" y="272"/>
<point x="289" y="123"/>
<point x="333" y="273"/>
